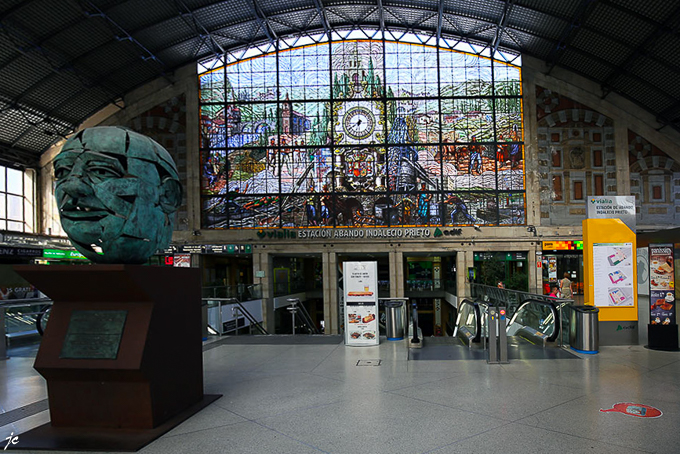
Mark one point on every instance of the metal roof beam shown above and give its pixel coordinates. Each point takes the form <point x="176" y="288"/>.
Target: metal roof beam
<point x="122" y="35"/>
<point x="190" y="19"/>
<point x="264" y="23"/>
<point x="666" y="63"/>
<point x="577" y="19"/>
<point x="500" y="28"/>
<point x="18" y="157"/>
<point x="660" y="30"/>
<point x="440" y="19"/>
<point x="321" y="10"/>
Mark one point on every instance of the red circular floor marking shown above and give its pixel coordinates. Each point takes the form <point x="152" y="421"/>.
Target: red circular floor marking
<point x="631" y="409"/>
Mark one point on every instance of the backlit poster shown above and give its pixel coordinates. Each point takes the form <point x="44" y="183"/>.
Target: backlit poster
<point x="661" y="284"/>
<point x="613" y="274"/>
<point x="360" y="280"/>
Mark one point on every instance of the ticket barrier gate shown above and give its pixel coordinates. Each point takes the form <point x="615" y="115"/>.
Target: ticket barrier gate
<point x="498" y="339"/>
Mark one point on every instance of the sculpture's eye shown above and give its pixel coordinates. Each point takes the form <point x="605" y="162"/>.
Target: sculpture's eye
<point x="104" y="171"/>
<point x="61" y="172"/>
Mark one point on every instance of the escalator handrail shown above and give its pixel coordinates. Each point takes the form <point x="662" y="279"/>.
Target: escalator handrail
<point x="244" y="311"/>
<point x="553" y="310"/>
<point x="414" y="319"/>
<point x="478" y="317"/>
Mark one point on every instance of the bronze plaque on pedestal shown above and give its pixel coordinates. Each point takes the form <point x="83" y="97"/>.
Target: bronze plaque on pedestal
<point x="93" y="334"/>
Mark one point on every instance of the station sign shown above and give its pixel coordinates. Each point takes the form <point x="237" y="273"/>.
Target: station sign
<point x="61" y="254"/>
<point x="612" y="207"/>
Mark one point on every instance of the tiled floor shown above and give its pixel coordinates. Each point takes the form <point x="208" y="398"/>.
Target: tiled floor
<point x="299" y="398"/>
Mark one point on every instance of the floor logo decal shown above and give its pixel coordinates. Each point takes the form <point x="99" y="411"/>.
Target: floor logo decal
<point x="639" y="410"/>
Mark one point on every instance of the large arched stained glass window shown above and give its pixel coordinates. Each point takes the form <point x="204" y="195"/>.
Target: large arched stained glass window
<point x="362" y="133"/>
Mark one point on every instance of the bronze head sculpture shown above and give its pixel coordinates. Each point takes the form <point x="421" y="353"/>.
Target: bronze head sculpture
<point x="116" y="191"/>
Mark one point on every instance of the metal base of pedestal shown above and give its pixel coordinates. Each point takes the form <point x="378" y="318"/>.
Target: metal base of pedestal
<point x="47" y="437"/>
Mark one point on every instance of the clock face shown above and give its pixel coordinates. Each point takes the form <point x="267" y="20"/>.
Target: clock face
<point x="359" y="123"/>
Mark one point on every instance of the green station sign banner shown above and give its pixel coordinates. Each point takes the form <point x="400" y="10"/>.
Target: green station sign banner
<point x="61" y="254"/>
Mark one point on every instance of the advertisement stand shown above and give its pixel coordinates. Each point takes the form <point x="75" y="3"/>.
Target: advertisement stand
<point x="663" y="329"/>
<point x="360" y="281"/>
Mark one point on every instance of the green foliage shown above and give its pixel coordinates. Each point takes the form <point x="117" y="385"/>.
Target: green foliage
<point x="518" y="281"/>
<point x="491" y="272"/>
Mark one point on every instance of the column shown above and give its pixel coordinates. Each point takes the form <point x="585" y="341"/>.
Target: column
<point x="262" y="267"/>
<point x="533" y="214"/>
<point x="396" y="274"/>
<point x="462" y="287"/>
<point x="330" y="292"/>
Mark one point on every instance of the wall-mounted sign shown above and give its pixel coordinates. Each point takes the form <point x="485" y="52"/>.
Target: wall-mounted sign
<point x="228" y="249"/>
<point x="191" y="248"/>
<point x="612" y="207"/>
<point x="563" y="245"/>
<point x="351" y="233"/>
<point x="182" y="260"/>
<point x="360" y="281"/>
<point x="20" y="252"/>
<point x="33" y="240"/>
<point x="661" y="284"/>
<point x="60" y="254"/>
<point x="500" y="256"/>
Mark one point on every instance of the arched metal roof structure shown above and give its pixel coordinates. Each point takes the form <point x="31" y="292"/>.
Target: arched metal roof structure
<point x="62" y="61"/>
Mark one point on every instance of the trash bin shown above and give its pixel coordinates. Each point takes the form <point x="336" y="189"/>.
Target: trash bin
<point x="584" y="332"/>
<point x="394" y="319"/>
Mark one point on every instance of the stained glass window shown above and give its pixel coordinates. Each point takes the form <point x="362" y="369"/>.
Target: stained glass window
<point x="362" y="133"/>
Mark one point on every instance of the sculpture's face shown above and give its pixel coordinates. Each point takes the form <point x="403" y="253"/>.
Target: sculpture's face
<point x="115" y="190"/>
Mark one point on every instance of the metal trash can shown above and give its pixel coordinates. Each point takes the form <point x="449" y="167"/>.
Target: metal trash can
<point x="584" y="329"/>
<point x="394" y="319"/>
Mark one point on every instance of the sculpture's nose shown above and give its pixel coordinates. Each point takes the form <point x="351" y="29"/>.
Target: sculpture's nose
<point x="75" y="187"/>
<point x="73" y="184"/>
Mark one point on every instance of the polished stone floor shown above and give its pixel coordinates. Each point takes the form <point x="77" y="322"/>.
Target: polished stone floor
<point x="305" y="397"/>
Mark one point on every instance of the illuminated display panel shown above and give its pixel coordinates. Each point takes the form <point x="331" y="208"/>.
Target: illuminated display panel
<point x="362" y="133"/>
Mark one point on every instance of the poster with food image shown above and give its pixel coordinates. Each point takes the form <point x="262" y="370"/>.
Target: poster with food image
<point x="662" y="310"/>
<point x="360" y="280"/>
<point x="661" y="284"/>
<point x="361" y="303"/>
<point x="613" y="268"/>
<point x="362" y="325"/>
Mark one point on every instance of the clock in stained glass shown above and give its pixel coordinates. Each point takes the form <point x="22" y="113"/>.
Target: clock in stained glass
<point x="359" y="123"/>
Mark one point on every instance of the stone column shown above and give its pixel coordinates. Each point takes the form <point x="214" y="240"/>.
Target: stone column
<point x="396" y="274"/>
<point x="462" y="287"/>
<point x="262" y="263"/>
<point x="533" y="214"/>
<point x="531" y="269"/>
<point x="193" y="188"/>
<point x="330" y="292"/>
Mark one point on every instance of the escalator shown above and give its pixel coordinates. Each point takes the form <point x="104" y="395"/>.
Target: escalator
<point x="533" y="332"/>
<point x="465" y="344"/>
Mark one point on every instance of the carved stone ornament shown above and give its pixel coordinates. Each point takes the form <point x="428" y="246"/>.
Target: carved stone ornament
<point x="116" y="191"/>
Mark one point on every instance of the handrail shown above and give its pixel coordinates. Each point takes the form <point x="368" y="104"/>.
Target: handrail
<point x="243" y="310"/>
<point x="469" y="337"/>
<point x="511" y="299"/>
<point x="25" y="302"/>
<point x="414" y="318"/>
<point x="553" y="318"/>
<point x="306" y="318"/>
